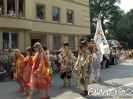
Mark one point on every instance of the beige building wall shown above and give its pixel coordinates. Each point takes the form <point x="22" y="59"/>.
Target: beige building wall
<point x="21" y="41"/>
<point x="28" y="39"/>
<point x="1" y="40"/>
<point x="49" y="41"/>
<point x="30" y="28"/>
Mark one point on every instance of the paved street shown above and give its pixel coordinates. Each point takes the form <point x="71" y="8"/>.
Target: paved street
<point x="118" y="79"/>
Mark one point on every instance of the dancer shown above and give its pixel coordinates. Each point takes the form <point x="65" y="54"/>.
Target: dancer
<point x="28" y="63"/>
<point x="18" y="62"/>
<point x="67" y="60"/>
<point x="40" y="78"/>
<point x="83" y="67"/>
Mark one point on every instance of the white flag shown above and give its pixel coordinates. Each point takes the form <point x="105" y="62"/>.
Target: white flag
<point x="100" y="39"/>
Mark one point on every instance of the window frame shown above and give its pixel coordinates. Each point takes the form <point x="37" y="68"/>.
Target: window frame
<point x="72" y="16"/>
<point x="59" y="14"/>
<point x="44" y="10"/>
<point x="12" y="32"/>
<point x="24" y="10"/>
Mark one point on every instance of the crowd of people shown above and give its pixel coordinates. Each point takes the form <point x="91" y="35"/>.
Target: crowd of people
<point x="33" y="70"/>
<point x="116" y="57"/>
<point x="11" y="12"/>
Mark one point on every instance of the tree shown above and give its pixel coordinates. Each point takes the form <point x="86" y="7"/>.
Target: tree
<point x="108" y="9"/>
<point x="125" y="29"/>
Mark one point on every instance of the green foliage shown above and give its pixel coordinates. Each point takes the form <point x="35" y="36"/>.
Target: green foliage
<point x="125" y="29"/>
<point x="118" y="24"/>
<point x="108" y="9"/>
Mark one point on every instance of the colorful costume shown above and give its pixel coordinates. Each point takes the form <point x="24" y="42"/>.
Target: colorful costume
<point x="67" y="61"/>
<point x="28" y="63"/>
<point x="19" y="68"/>
<point x="41" y="78"/>
<point x="83" y="68"/>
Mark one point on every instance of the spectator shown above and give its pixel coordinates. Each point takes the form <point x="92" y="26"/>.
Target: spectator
<point x="1" y="10"/>
<point x="20" y="14"/>
<point x="11" y="12"/>
<point x="2" y="72"/>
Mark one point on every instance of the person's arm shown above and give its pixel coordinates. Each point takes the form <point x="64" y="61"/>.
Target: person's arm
<point x="41" y="64"/>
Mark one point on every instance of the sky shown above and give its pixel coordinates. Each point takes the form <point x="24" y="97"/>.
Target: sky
<point x="126" y="5"/>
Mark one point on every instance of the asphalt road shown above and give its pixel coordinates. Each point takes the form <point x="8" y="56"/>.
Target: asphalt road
<point x="117" y="83"/>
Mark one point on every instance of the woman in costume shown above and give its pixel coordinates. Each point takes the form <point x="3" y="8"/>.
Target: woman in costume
<point x="40" y="78"/>
<point x="28" y="63"/>
<point x="83" y="67"/>
<point x="18" y="63"/>
<point x="67" y="60"/>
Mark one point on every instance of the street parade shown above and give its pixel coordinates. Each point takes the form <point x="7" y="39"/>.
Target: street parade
<point x="66" y="49"/>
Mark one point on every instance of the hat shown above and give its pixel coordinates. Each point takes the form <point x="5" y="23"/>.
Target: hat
<point x="84" y="43"/>
<point x="37" y="44"/>
<point x="65" y="44"/>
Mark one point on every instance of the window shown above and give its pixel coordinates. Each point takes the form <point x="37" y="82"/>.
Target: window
<point x="21" y="8"/>
<point x="11" y="8"/>
<point x="71" y="40"/>
<point x="56" y="14"/>
<point x="69" y="16"/>
<point x="5" y="40"/>
<point x="9" y="40"/>
<point x="1" y="8"/>
<point x="56" y="42"/>
<point x="14" y="40"/>
<point x="40" y="12"/>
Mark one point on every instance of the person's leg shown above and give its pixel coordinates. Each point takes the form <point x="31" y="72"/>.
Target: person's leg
<point x="69" y="74"/>
<point x="94" y="75"/>
<point x="25" y="93"/>
<point x="63" y="77"/>
<point x="32" y="87"/>
<point x="21" y="87"/>
<point x="31" y="93"/>
<point x="69" y="82"/>
<point x="47" y="93"/>
<point x="85" y="90"/>
<point x="65" y="82"/>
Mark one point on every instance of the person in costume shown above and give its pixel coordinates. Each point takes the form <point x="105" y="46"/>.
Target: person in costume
<point x="28" y="63"/>
<point x="96" y="65"/>
<point x="49" y="56"/>
<point x="40" y="78"/>
<point x="18" y="63"/>
<point x="67" y="60"/>
<point x="83" y="67"/>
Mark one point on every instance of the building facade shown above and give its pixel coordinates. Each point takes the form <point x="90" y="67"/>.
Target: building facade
<point x="50" y="22"/>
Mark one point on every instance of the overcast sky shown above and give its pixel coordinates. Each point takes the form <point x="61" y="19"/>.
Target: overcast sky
<point x="126" y="5"/>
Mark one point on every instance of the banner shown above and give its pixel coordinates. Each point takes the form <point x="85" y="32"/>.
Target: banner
<point x="100" y="39"/>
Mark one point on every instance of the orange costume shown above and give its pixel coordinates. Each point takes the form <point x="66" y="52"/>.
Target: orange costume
<point x="28" y="63"/>
<point x="19" y="68"/>
<point x="40" y="79"/>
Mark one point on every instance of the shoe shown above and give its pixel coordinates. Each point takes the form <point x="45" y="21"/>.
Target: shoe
<point x="85" y="93"/>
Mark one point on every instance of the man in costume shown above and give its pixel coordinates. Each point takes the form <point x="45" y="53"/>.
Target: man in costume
<point x="67" y="60"/>
<point x="83" y="66"/>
